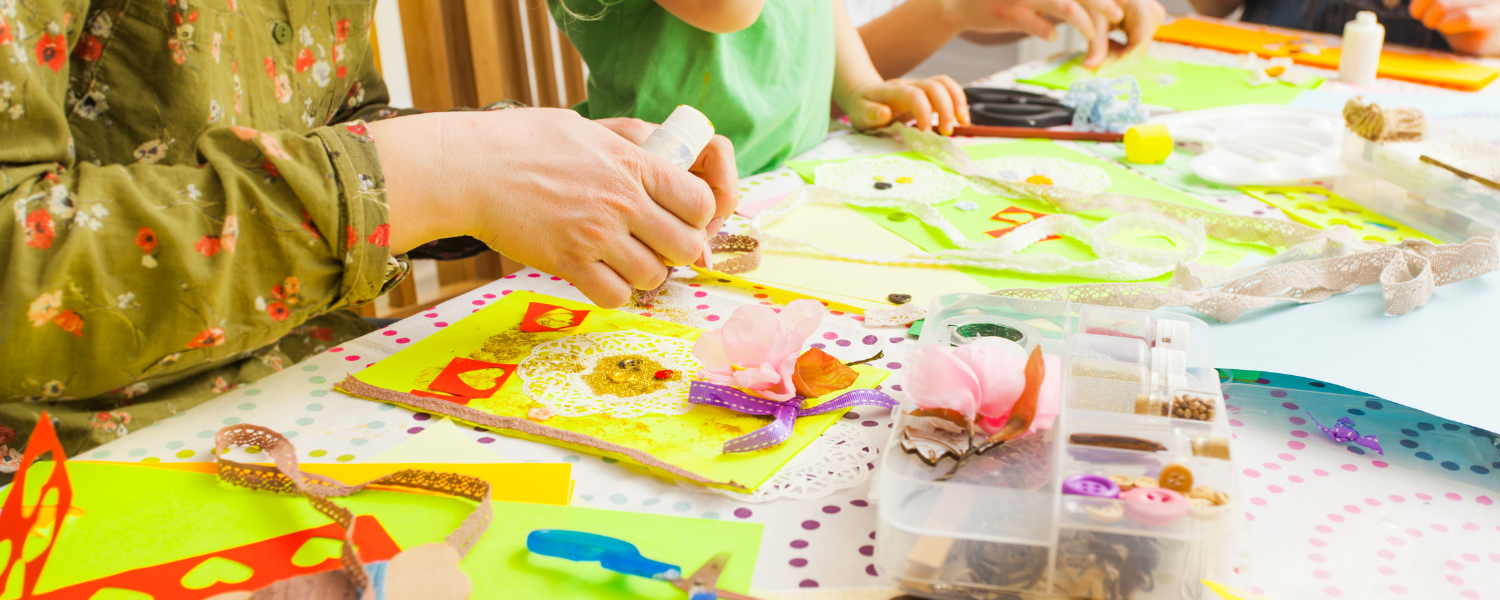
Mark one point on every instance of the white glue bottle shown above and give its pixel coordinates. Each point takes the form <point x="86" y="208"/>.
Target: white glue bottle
<point x="1360" y="56"/>
<point x="679" y="140"/>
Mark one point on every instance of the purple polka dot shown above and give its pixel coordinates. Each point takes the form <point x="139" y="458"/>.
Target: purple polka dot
<point x="893" y="365"/>
<point x="867" y="550"/>
<point x="799" y="544"/>
<point x="851" y="415"/>
<point x="897" y="340"/>
<point x="1289" y="406"/>
<point x="869" y="423"/>
<point x="807" y="583"/>
<point x="810" y="525"/>
<point x="859" y="503"/>
<point x="1298" y="421"/>
<point x="831" y="509"/>
<point x="843" y="343"/>
<point x="388" y="332"/>
<point x="1278" y="393"/>
<point x="798" y="562"/>
<point x="1299" y="433"/>
<point x="896" y="387"/>
<point x="415" y="430"/>
<point x="870" y="340"/>
<point x="743" y="513"/>
<point x="870" y="569"/>
<point x="440" y="324"/>
<point x="422" y="416"/>
<point x="872" y="535"/>
<point x="486" y="440"/>
<point x="819" y="345"/>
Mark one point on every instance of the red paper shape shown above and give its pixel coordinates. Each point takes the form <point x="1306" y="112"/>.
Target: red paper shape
<point x="1019" y="216"/>
<point x="448" y="381"/>
<point x="271" y="561"/>
<point x="15" y="526"/>
<point x="537" y="309"/>
<point x="449" y="397"/>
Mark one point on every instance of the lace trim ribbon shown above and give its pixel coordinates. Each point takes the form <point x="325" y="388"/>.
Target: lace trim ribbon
<point x="786" y="413"/>
<point x="286" y="478"/>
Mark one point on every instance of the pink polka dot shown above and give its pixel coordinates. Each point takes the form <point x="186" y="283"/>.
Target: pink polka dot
<point x="1235" y="423"/>
<point x="830" y="336"/>
<point x="1455" y="580"/>
<point x="1275" y="489"/>
<point x="1252" y="473"/>
<point x="1372" y="502"/>
<point x="1495" y="557"/>
<point x="1299" y="433"/>
<point x="1336" y="518"/>
<point x="1298" y="421"/>
<point x="1470" y="594"/>
<point x="1349" y="468"/>
<point x="352" y="357"/>
<point x="507" y="292"/>
<point x="1395" y="498"/>
<point x="1317" y="558"/>
<point x="1470" y="556"/>
<point x="1471" y="527"/>
<point x="1286" y="457"/>
<point x="700" y="294"/>
<point x="1455" y="565"/>
<point x="1350" y="508"/>
<point x="1387" y="571"/>
<point x="1399" y="589"/>
<point x="1422" y="497"/>
<point x="1324" y="529"/>
<point x="1249" y="517"/>
<point x="440" y="324"/>
<point x="711" y="318"/>
<point x="557" y="279"/>
<point x="388" y="332"/>
<point x="1272" y="466"/>
<point x="1414" y="532"/>
<point x="702" y="307"/>
<point x="1296" y="445"/>
<point x="1386" y="554"/>
<point x="402" y="340"/>
<point x="1452" y="496"/>
<point x="1379" y="464"/>
<point x="477" y="310"/>
<point x="1321" y="574"/>
<point x="1295" y="479"/>
<point x="490" y="296"/>
<point x="431" y="315"/>
<point x="533" y="274"/>
<point x="335" y="350"/>
<point x="1317" y="542"/>
<point x="1333" y="591"/>
<point x="478" y="303"/>
<point x="1258" y="501"/>
<point x="1395" y="541"/>
<point x="1440" y="527"/>
<point x="1485" y="500"/>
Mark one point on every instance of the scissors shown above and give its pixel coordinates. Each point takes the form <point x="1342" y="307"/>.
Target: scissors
<point x="1015" y="108"/>
<point x="623" y="557"/>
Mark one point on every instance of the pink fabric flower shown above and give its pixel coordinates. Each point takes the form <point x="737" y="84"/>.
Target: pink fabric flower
<point x="757" y="349"/>
<point x="982" y="383"/>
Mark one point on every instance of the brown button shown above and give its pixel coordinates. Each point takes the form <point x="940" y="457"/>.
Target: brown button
<point x="899" y="298"/>
<point x="1177" y="478"/>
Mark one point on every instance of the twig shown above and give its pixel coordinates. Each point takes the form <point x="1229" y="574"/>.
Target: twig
<point x="1459" y="172"/>
<point x="878" y="355"/>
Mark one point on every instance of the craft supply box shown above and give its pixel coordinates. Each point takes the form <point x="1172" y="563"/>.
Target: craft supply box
<point x="1002" y="525"/>
<point x="1429" y="198"/>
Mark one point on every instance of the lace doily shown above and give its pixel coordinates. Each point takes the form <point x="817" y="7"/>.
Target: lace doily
<point x="839" y="459"/>
<point x="1062" y="172"/>
<point x="891" y="177"/>
<point x="552" y="376"/>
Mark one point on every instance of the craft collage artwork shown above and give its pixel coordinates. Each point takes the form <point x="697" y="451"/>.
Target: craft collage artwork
<point x="945" y="368"/>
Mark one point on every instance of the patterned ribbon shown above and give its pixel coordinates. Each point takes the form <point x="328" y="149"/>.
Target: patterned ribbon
<point x="786" y="412"/>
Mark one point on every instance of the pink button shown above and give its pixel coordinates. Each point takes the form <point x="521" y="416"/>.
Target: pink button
<point x="1158" y="507"/>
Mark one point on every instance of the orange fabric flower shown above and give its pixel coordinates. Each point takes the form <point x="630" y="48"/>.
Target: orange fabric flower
<point x="70" y="322"/>
<point x="819" y="373"/>
<point x="278" y="311"/>
<point x="90" y="49"/>
<point x="381" y="236"/>
<point x="39" y="232"/>
<point x="52" y="51"/>
<point x="208" y="245"/>
<point x="213" y="336"/>
<point x="146" y="239"/>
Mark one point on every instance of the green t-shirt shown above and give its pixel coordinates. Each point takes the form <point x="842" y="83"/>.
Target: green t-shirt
<point x="767" y="87"/>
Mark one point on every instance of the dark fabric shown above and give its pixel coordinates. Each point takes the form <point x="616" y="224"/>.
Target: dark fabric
<point x="448" y="249"/>
<point x="1329" y="16"/>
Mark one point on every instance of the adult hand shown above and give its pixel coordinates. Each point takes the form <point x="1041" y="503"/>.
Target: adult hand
<point x="878" y="104"/>
<point x="1471" y="26"/>
<point x="547" y="188"/>
<point x="715" y="166"/>
<point x="1093" y="19"/>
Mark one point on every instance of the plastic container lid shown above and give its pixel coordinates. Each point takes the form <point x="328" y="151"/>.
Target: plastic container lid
<point x="1172" y="334"/>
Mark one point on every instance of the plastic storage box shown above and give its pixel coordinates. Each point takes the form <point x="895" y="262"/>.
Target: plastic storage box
<point x="1428" y="198"/>
<point x="1002" y="526"/>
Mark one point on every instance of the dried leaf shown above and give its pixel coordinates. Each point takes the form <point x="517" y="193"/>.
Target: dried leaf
<point x="946" y="414"/>
<point x="1024" y="411"/>
<point x="819" y="373"/>
<point x="932" y="445"/>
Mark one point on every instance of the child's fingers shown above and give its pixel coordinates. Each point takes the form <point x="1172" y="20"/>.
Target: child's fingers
<point x="1032" y="23"/>
<point x="1098" y="43"/>
<point x="1108" y="8"/>
<point x="869" y="114"/>
<point x="914" y="99"/>
<point x="940" y="99"/>
<point x="1071" y="13"/>
<point x="960" y="100"/>
<point x="1141" y="23"/>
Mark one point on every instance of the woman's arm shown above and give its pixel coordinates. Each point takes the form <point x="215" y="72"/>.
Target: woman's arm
<point x="715" y="16"/>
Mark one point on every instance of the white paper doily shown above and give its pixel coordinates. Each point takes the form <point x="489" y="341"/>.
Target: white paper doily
<point x="909" y="179"/>
<point x="1070" y="174"/>
<point x="839" y="459"/>
<point x="567" y="394"/>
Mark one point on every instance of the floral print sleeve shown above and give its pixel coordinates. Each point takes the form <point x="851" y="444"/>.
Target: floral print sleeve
<point x="182" y="188"/>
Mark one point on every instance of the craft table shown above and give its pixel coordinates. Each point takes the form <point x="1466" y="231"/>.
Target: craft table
<point x="1298" y="547"/>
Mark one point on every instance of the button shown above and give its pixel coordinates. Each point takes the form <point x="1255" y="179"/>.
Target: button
<point x="1157" y="507"/>
<point x="1177" y="478"/>
<point x="281" y="32"/>
<point x="899" y="298"/>
<point x="1091" y="485"/>
<point x="1105" y="513"/>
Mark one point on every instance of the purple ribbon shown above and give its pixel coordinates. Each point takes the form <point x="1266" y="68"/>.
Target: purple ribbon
<point x="786" y="412"/>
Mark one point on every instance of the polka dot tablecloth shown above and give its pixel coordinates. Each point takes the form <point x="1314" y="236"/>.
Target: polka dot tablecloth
<point x="1319" y="517"/>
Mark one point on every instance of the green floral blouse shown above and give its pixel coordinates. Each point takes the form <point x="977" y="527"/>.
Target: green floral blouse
<point x="191" y="193"/>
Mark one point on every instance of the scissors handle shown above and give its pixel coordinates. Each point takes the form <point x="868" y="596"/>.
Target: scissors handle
<point x="614" y="554"/>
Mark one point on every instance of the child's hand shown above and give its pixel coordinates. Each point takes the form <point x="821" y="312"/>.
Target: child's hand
<point x="878" y="104"/>
<point x="1093" y="19"/>
<point x="1471" y="26"/>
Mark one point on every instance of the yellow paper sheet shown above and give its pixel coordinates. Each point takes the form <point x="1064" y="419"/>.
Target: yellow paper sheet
<point x="441" y="441"/>
<point x="532" y="483"/>
<point x="692" y="441"/>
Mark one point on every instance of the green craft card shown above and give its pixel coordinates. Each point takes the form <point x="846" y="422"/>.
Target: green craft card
<point x="1180" y="85"/>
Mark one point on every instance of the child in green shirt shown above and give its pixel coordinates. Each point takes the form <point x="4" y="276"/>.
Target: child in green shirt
<point x="764" y="71"/>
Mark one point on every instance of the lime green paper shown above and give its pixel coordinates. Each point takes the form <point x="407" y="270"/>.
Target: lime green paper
<point x="693" y="441"/>
<point x="975" y="223"/>
<point x="1189" y="87"/>
<point x="1176" y="172"/>
<point x="137" y="517"/>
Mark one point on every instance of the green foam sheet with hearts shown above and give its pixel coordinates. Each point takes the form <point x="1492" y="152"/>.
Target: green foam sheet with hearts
<point x="1180" y="85"/>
